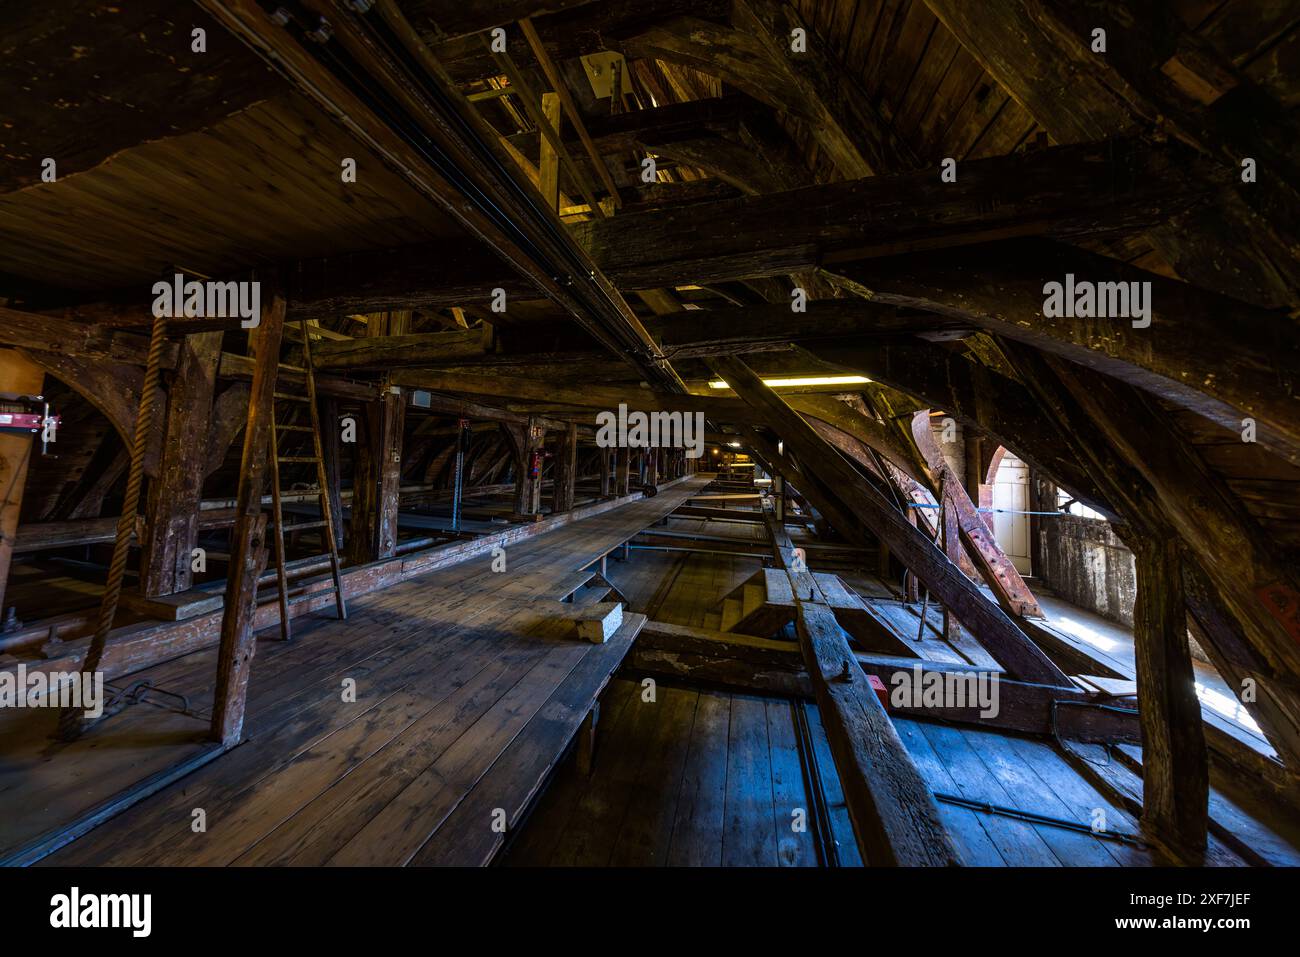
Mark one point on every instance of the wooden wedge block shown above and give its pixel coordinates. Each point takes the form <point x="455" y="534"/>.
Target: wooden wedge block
<point x="599" y="621"/>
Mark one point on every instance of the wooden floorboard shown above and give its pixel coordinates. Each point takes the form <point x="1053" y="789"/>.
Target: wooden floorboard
<point x="468" y="692"/>
<point x="463" y="677"/>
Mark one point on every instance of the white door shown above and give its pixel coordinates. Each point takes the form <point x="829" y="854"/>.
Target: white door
<point x="1011" y="528"/>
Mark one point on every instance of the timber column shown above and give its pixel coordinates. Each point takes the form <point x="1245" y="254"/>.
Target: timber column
<point x="20" y="377"/>
<point x="527" y="441"/>
<point x="622" y="469"/>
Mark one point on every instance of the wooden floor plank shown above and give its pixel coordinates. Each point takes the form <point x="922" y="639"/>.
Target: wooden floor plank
<point x="977" y="847"/>
<point x="432" y="629"/>
<point x="846" y="845"/>
<point x="1029" y="792"/>
<point x="791" y="803"/>
<point x="697" y="828"/>
<point x="467" y="837"/>
<point x="1019" y="843"/>
<point x="749" y="788"/>
<point x="643" y="838"/>
<point x="539" y="841"/>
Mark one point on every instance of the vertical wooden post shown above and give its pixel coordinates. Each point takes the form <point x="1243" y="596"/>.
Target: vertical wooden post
<point x="566" y="471"/>
<point x="331" y="439"/>
<point x="363" y="528"/>
<point x="605" y="458"/>
<point x="21" y="377"/>
<point x="1175" y="769"/>
<point x="376" y="480"/>
<point x="390" y="472"/>
<point x="526" y="440"/>
<point x="171" y="528"/>
<point x="549" y="166"/>
<point x="622" y="470"/>
<point x="587" y="741"/>
<point x="248" y="545"/>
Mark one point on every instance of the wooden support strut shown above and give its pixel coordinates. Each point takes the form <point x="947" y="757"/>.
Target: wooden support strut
<point x="1176" y="776"/>
<point x="895" y="819"/>
<point x="990" y="625"/>
<point x="575" y="116"/>
<point x="248" y="549"/>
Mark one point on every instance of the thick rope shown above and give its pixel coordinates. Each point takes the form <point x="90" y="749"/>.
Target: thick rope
<point x="72" y="719"/>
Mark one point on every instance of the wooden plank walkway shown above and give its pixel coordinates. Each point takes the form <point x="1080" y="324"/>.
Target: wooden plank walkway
<point x="465" y="689"/>
<point x="691" y="777"/>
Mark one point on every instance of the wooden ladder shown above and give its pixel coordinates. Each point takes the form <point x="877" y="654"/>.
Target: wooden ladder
<point x="302" y="567"/>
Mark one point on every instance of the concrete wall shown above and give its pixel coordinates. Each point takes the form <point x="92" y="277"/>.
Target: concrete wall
<point x="1083" y="562"/>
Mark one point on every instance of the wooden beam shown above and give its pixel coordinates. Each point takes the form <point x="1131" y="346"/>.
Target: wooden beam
<point x="1062" y="192"/>
<point x="376" y="480"/>
<point x="998" y="571"/>
<point x="449" y="19"/>
<point x="561" y="88"/>
<point x="821" y="89"/>
<point x="622" y="471"/>
<point x="76" y="338"/>
<point x="1158" y="482"/>
<point x="565" y="470"/>
<point x="895" y="819"/>
<point x="531" y="244"/>
<point x="976" y="396"/>
<point x="991" y="627"/>
<point x="526" y="444"/>
<point x="114" y="390"/>
<point x="171" y="525"/>
<point x="248" y="548"/>
<point x="1176" y="775"/>
<point x="591" y="397"/>
<point x="386" y="352"/>
<point x="1253" y="579"/>
<point x="243" y="368"/>
<point x="1040" y="52"/>
<point x="229" y="415"/>
<point x="566" y="33"/>
<point x="1187" y="353"/>
<point x="769" y="666"/>
<point x="741" y="329"/>
<point x="668" y="122"/>
<point x="534" y="106"/>
<point x="1045" y="193"/>
<point x="548" y="163"/>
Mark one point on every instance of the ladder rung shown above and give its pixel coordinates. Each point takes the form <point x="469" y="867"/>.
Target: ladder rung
<point x="301" y="525"/>
<point x="297" y="458"/>
<point x="294" y="428"/>
<point x="292" y="398"/>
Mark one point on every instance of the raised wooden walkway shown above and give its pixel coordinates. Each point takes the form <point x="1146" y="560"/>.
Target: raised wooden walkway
<point x="468" y="688"/>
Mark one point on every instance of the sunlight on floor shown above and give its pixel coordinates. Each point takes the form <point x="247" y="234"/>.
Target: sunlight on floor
<point x="1084" y="633"/>
<point x="1227" y="706"/>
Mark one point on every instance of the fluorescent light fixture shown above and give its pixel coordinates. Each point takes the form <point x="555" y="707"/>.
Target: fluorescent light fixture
<point x="802" y="380"/>
<point x="734" y="445"/>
